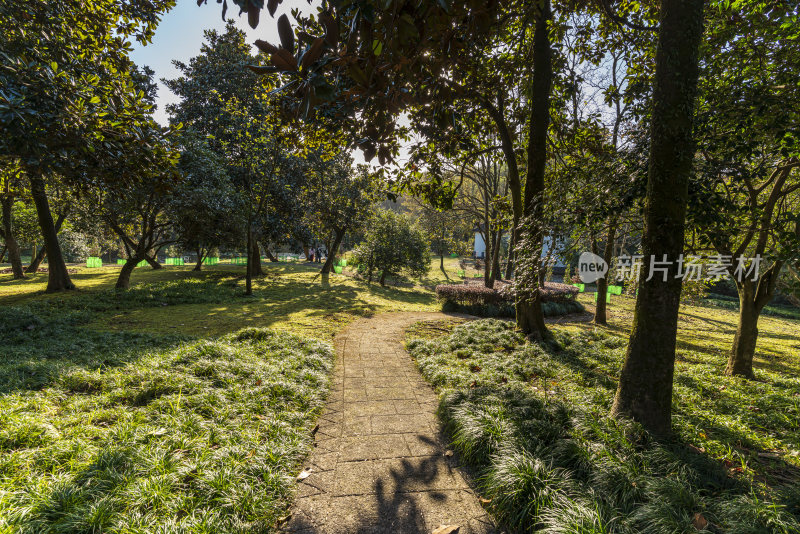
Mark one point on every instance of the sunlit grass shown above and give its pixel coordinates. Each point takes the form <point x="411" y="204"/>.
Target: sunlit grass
<point x="533" y="422"/>
<point x="207" y="437"/>
<point x="290" y="297"/>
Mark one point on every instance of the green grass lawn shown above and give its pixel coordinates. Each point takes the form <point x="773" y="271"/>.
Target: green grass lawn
<point x="532" y="422"/>
<point x="179" y="405"/>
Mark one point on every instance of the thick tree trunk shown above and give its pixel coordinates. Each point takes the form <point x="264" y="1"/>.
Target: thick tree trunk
<point x="41" y="254"/>
<point x="3" y="254"/>
<point x="602" y="284"/>
<point x="57" y="275"/>
<point x="12" y="246"/>
<point x="382" y="281"/>
<point x="124" y="278"/>
<point x="306" y="251"/>
<point x="441" y="262"/>
<point x="270" y="255"/>
<point x="645" y="384"/>
<point x="530" y="318"/>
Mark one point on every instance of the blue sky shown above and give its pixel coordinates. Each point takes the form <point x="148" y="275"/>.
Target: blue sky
<point x="180" y="34"/>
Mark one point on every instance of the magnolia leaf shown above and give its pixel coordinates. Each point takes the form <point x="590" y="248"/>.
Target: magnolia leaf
<point x="266" y="47"/>
<point x="446" y="529"/>
<point x="261" y="69"/>
<point x="331" y="29"/>
<point x="252" y="15"/>
<point x="284" y="60"/>
<point x="272" y="5"/>
<point x="285" y="32"/>
<point x="313" y="53"/>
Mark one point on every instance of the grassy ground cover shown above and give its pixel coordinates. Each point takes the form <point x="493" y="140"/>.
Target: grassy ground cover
<point x="151" y="410"/>
<point x="206" y="437"/>
<point x="531" y="421"/>
<point x="179" y="301"/>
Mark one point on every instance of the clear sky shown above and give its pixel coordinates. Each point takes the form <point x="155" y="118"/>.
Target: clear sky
<point x="180" y="34"/>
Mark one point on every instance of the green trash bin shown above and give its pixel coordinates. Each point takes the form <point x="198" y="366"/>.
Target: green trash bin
<point x="608" y="297"/>
<point x="615" y="290"/>
<point x="94" y="262"/>
<point x="581" y="287"/>
<point x="337" y="269"/>
<point x="121" y="261"/>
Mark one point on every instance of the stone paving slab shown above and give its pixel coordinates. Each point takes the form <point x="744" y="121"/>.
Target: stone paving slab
<point x="379" y="466"/>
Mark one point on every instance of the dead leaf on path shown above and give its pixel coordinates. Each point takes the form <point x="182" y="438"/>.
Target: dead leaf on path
<point x="484" y="501"/>
<point x="446" y="529"/>
<point x="304" y="474"/>
<point x="699" y="522"/>
<point x="448" y="453"/>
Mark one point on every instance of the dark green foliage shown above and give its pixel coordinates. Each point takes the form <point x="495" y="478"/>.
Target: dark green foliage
<point x="532" y="422"/>
<point x="393" y="245"/>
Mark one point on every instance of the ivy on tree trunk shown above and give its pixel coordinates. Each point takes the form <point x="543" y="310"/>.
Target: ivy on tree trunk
<point x="645" y="384"/>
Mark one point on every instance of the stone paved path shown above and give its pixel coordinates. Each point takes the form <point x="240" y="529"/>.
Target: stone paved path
<point x="379" y="464"/>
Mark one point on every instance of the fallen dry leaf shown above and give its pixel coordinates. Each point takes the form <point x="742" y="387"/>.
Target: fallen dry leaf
<point x="699" y="522"/>
<point x="448" y="453"/>
<point x="446" y="529"/>
<point x="304" y="474"/>
<point x="484" y="501"/>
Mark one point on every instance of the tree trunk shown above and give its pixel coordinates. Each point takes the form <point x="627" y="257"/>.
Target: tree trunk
<point x="12" y="246"/>
<point x="57" y="275"/>
<point x="327" y="267"/>
<point x="124" y="279"/>
<point x="255" y="255"/>
<point x="153" y="262"/>
<point x="441" y="261"/>
<point x="510" y="258"/>
<point x="496" y="274"/>
<point x="740" y="360"/>
<point x="306" y="251"/>
<point x="3" y="253"/>
<point x="382" y="281"/>
<point x="39" y="257"/>
<point x="199" y="265"/>
<point x="602" y="284"/>
<point x="248" y="277"/>
<point x="270" y="255"/>
<point x="37" y="260"/>
<point x="753" y="296"/>
<point x="645" y="384"/>
<point x="530" y="318"/>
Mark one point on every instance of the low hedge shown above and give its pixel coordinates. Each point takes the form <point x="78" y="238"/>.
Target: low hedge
<point x="477" y="299"/>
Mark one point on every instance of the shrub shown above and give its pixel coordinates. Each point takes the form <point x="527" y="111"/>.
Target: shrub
<point x="393" y="245"/>
<point x="477" y="299"/>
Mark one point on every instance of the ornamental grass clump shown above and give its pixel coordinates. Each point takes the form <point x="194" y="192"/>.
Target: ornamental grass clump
<point x="531" y="423"/>
<point x="205" y="437"/>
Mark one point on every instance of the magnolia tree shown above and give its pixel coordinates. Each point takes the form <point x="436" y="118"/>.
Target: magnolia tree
<point x="393" y="245"/>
